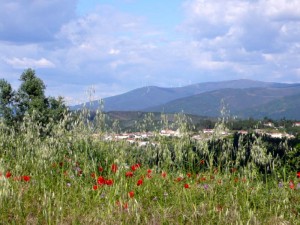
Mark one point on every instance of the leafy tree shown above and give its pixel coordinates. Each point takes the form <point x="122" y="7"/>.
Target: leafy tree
<point x="6" y="102"/>
<point x="29" y="99"/>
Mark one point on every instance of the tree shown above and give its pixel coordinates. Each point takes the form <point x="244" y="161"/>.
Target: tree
<point x="29" y="99"/>
<point x="6" y="102"/>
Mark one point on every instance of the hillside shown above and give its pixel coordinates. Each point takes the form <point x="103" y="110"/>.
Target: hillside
<point x="251" y="102"/>
<point x="146" y="97"/>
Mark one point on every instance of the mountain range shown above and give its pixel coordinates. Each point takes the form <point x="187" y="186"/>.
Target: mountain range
<point x="242" y="98"/>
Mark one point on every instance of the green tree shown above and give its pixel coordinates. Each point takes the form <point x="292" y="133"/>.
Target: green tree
<point x="29" y="99"/>
<point x="6" y="102"/>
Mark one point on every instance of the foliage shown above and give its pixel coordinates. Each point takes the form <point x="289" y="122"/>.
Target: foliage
<point x="29" y="101"/>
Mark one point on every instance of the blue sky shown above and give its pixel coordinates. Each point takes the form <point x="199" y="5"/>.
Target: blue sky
<point x="113" y="46"/>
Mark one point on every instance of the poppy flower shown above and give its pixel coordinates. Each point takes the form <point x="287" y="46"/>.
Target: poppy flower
<point x="131" y="194"/>
<point x="93" y="175"/>
<point x="149" y="175"/>
<point x="26" y="178"/>
<point x="202" y="162"/>
<point x="188" y="174"/>
<point x="114" y="168"/>
<point x="129" y="174"/>
<point x="8" y="174"/>
<point x="95" y="187"/>
<point x="186" y="186"/>
<point x="139" y="182"/>
<point x="125" y="205"/>
<point x="163" y="174"/>
<point x="149" y="171"/>
<point x="292" y="185"/>
<point x="178" y="179"/>
<point x="298" y="174"/>
<point x="203" y="179"/>
<point x="100" y="169"/>
<point x="101" y="180"/>
<point x="109" y="182"/>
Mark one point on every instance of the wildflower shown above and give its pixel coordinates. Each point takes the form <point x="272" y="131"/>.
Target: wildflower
<point x="203" y="179"/>
<point x="100" y="169"/>
<point x="186" y="186"/>
<point x="149" y="171"/>
<point x="8" y="174"/>
<point x="114" y="168"/>
<point x="178" y="179"/>
<point x="26" y="178"/>
<point x="93" y="175"/>
<point x="131" y="194"/>
<point x="69" y="184"/>
<point x="202" y="162"/>
<point x="125" y="206"/>
<point x="292" y="185"/>
<point x="163" y="174"/>
<point x="280" y="184"/>
<point x="212" y="177"/>
<point x="298" y="174"/>
<point x="109" y="182"/>
<point x="149" y="175"/>
<point x="139" y="182"/>
<point x="101" y="180"/>
<point x="188" y="174"/>
<point x="236" y="180"/>
<point x="95" y="187"/>
<point x="129" y="174"/>
<point x="205" y="186"/>
<point x="61" y="164"/>
<point x="133" y="167"/>
<point x="298" y="186"/>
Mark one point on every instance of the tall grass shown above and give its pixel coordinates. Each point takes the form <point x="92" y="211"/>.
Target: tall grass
<point x="57" y="179"/>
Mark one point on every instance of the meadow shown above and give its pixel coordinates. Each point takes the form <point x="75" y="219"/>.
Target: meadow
<point x="71" y="177"/>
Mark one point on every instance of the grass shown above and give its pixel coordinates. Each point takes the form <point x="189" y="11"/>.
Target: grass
<point x="68" y="178"/>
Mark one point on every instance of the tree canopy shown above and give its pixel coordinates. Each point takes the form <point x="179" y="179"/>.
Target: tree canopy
<point x="29" y="99"/>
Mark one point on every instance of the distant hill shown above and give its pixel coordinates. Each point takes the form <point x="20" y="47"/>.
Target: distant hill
<point x="147" y="97"/>
<point x="275" y="102"/>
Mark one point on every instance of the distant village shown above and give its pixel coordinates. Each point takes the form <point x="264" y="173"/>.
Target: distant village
<point x="143" y="138"/>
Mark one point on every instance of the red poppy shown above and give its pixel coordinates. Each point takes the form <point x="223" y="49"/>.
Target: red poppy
<point x="202" y="179"/>
<point x="178" y="179"/>
<point x="131" y="194"/>
<point x="149" y="175"/>
<point x="292" y="185"/>
<point x="149" y="171"/>
<point x="95" y="187"/>
<point x="125" y="205"/>
<point x="298" y="174"/>
<point x="100" y="169"/>
<point x="163" y="174"/>
<point x="133" y="167"/>
<point x="93" y="175"/>
<point x="129" y="174"/>
<point x="189" y="174"/>
<point x="26" y="178"/>
<point x="101" y="180"/>
<point x="114" y="168"/>
<point x="202" y="162"/>
<point x="8" y="174"/>
<point x="186" y="186"/>
<point x="109" y="182"/>
<point x="139" y="182"/>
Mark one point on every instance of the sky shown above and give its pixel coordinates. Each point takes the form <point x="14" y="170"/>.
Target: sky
<point x="90" y="49"/>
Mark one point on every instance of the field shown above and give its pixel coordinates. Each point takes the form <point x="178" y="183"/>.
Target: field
<point x="70" y="177"/>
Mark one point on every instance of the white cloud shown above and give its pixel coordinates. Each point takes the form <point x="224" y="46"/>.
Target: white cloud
<point x="28" y="62"/>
